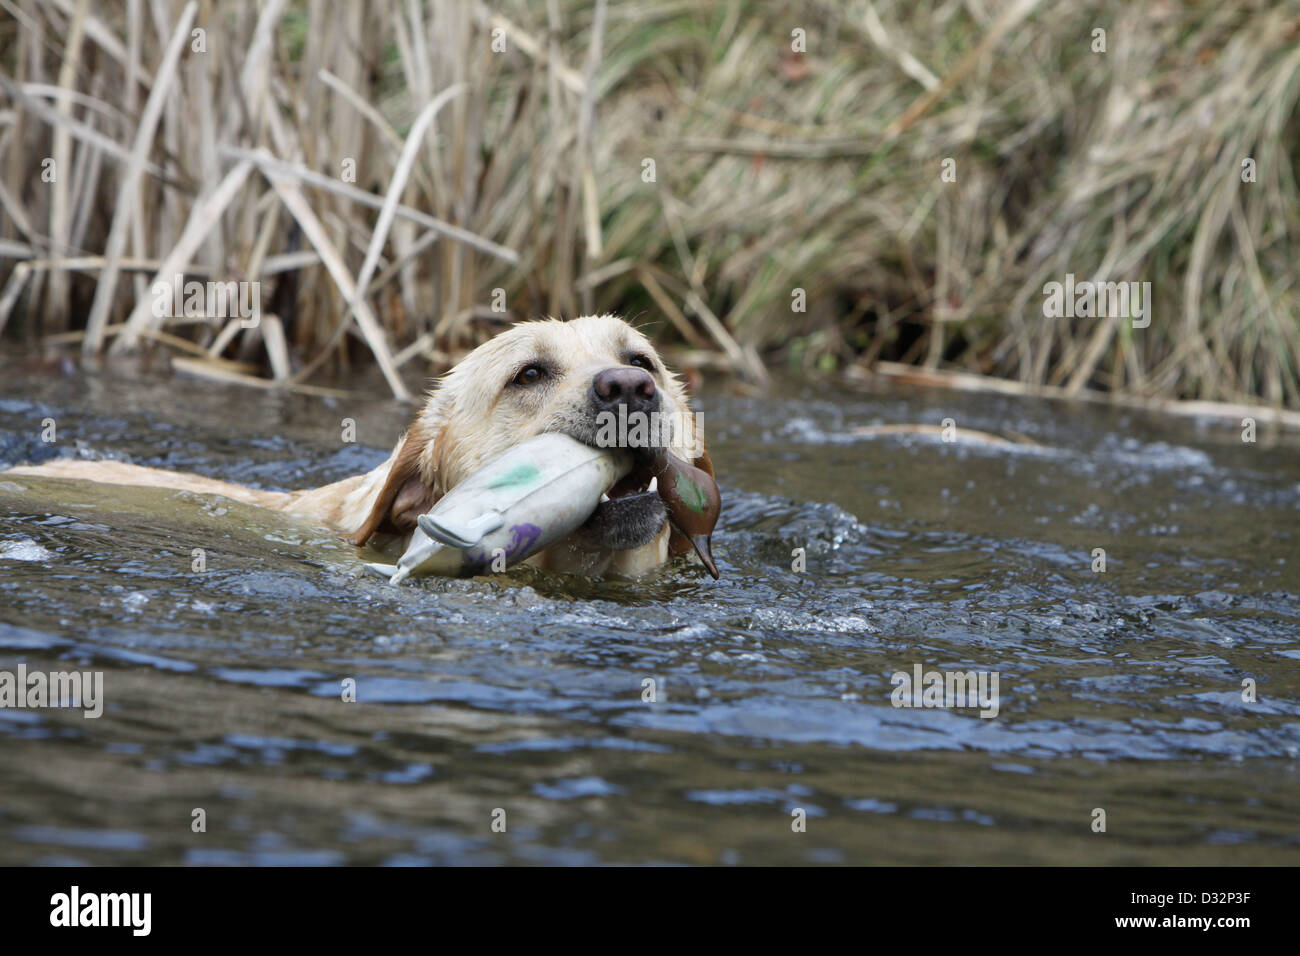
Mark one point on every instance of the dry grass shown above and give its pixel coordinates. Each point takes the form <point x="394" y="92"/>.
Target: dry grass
<point x="522" y="171"/>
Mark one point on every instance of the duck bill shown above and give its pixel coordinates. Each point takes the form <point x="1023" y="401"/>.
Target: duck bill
<point x="703" y="547"/>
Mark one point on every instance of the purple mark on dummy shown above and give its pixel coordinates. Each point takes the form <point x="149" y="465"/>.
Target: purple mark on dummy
<point x="522" y="538"/>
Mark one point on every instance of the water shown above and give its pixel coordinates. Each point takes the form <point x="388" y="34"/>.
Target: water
<point x="523" y="693"/>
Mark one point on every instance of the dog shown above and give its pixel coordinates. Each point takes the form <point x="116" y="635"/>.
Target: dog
<point x="539" y="376"/>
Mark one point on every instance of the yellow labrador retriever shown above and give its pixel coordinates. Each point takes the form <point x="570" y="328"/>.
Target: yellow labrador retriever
<point x="543" y="376"/>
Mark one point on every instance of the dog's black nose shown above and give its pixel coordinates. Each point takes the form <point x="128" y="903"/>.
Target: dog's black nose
<point x="625" y="385"/>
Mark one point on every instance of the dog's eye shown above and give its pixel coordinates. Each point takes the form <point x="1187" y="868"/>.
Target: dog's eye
<point x="530" y="375"/>
<point x="642" y="361"/>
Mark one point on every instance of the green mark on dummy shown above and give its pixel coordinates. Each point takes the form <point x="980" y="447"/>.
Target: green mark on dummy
<point x="692" y="495"/>
<point x="523" y="475"/>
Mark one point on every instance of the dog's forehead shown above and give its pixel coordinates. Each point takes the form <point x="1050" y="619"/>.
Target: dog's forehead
<point x="573" y="343"/>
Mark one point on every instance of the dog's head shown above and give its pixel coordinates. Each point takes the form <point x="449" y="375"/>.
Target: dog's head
<point x="595" y="378"/>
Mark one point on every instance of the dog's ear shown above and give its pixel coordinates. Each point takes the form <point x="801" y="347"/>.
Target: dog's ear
<point x="696" y="434"/>
<point x="413" y="484"/>
<point x="704" y="462"/>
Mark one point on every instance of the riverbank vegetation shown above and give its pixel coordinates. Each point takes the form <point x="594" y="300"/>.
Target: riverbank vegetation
<point x="828" y="185"/>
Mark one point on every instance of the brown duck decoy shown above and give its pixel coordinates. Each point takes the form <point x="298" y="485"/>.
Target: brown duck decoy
<point x="690" y="495"/>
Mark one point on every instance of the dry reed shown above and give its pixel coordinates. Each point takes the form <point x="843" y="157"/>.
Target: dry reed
<point x="500" y="154"/>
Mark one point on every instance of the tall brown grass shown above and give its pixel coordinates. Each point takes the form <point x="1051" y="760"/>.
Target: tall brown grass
<point x="518" y="178"/>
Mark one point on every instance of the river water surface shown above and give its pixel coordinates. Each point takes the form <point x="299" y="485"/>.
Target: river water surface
<point x="519" y="698"/>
